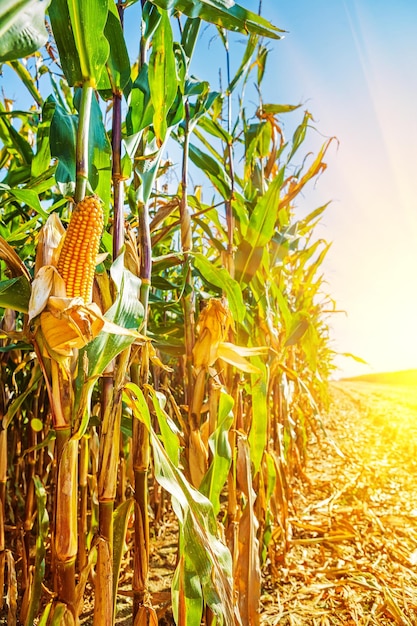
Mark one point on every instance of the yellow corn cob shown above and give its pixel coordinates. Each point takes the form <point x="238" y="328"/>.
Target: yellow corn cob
<point x="77" y="259"/>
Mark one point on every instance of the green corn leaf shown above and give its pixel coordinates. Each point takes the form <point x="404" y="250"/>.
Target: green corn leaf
<point x="209" y="557"/>
<point x="15" y="294"/>
<point x="126" y="311"/>
<point x="245" y="63"/>
<point x="259" y="426"/>
<point x="276" y="109"/>
<point x="213" y="170"/>
<point x="63" y="135"/>
<point x="20" y="345"/>
<point x="163" y="82"/>
<point x="216" y="476"/>
<point x="27" y="80"/>
<point x="214" y="128"/>
<point x="118" y="63"/>
<point x="261" y="57"/>
<point x="260" y="230"/>
<point x="223" y="13"/>
<point x="29" y="197"/>
<point x="63" y="138"/>
<point x="151" y="18"/>
<point x="187" y="595"/>
<point x="203" y="103"/>
<point x="299" y="135"/>
<point x="42" y="158"/>
<point x="190" y="35"/>
<point x="65" y="41"/>
<point x="44" y="619"/>
<point x="22" y="27"/>
<point x="60" y="615"/>
<point x="78" y="28"/>
<point x="283" y="306"/>
<point x="167" y="428"/>
<point x="141" y="110"/>
<point x="12" y="139"/>
<point x="148" y="168"/>
<point x="221" y="278"/>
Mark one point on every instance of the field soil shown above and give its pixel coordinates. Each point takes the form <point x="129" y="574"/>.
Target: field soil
<point x="352" y="541"/>
<point x="353" y="546"/>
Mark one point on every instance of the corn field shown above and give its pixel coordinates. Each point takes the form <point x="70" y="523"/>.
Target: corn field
<point x="164" y="345"/>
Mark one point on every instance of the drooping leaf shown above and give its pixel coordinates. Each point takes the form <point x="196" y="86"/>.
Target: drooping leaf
<point x="27" y="80"/>
<point x="223" y="13"/>
<point x="13" y="261"/>
<point x="209" y="557"/>
<point x="213" y="170"/>
<point x="216" y="476"/>
<point x="236" y="356"/>
<point x="189" y="35"/>
<point x="245" y="63"/>
<point x="22" y="27"/>
<point x="277" y="109"/>
<point x="29" y="197"/>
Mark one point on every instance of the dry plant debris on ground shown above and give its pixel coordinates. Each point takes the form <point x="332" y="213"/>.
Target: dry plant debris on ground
<point x="352" y="555"/>
<point x="352" y="547"/>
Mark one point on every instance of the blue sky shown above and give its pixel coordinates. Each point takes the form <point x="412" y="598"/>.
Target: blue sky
<point x="352" y="64"/>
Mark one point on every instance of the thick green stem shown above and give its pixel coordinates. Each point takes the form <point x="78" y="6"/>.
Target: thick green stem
<point x="81" y="150"/>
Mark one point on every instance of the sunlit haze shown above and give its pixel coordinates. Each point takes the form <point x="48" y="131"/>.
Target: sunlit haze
<point x="352" y="64"/>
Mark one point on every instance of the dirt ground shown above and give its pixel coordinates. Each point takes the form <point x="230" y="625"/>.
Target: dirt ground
<point x="352" y="557"/>
<point x="353" y="544"/>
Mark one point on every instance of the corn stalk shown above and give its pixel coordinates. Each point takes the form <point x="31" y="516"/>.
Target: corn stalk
<point x="229" y="291"/>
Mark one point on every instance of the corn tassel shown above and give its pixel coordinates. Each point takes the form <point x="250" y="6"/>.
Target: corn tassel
<point x="77" y="259"/>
